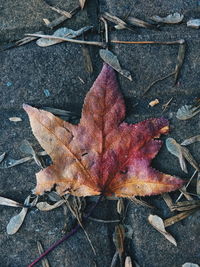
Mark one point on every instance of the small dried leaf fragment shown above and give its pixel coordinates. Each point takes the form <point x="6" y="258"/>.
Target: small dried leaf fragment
<point x="9" y="202"/>
<point x="193" y="23"/>
<point x="2" y="156"/>
<point x="17" y="220"/>
<point x="62" y="32"/>
<point x="170" y="19"/>
<point x="141" y="23"/>
<point x="189" y="264"/>
<point x="82" y="3"/>
<point x="158" y="224"/>
<point x="15" y="119"/>
<point x="44" y="206"/>
<point x="154" y="102"/>
<point x="181" y="153"/>
<point x="27" y="148"/>
<point x="128" y="262"/>
<point x="187" y="112"/>
<point x="191" y="140"/>
<point x="102" y="154"/>
<point x="175" y="149"/>
<point x="113" y="61"/>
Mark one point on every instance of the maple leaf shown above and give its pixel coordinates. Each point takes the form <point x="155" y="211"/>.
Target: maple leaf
<point x="102" y="154"/>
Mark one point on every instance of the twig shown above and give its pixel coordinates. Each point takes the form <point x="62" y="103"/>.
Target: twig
<point x="103" y="221"/>
<point x="158" y="80"/>
<point x="67" y="236"/>
<point x="165" y="106"/>
<point x="186" y="185"/>
<point x="147" y="42"/>
<point x="76" y="215"/>
<point x="106" y="30"/>
<point x="62" y="18"/>
<point x="68" y="40"/>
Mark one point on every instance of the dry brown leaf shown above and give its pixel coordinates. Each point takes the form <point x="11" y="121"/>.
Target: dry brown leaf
<point x="158" y="224"/>
<point x="102" y="154"/>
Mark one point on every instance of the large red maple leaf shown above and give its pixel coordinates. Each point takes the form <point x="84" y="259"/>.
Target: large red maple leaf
<point x="102" y="154"/>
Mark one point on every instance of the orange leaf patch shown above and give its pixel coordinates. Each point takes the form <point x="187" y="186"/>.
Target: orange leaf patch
<point x="102" y="154"/>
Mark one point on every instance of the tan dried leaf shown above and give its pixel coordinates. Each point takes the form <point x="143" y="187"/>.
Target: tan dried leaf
<point x="15" y="119"/>
<point x="82" y="3"/>
<point x="128" y="262"/>
<point x="17" y="220"/>
<point x="154" y="102"/>
<point x="9" y="202"/>
<point x="158" y="224"/>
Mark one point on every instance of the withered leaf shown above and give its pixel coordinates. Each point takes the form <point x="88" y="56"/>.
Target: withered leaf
<point x="9" y="202"/>
<point x="194" y="23"/>
<point x="17" y="220"/>
<point x="174" y="148"/>
<point x="113" y="61"/>
<point x="191" y="140"/>
<point x="187" y="112"/>
<point x="158" y="224"/>
<point x="171" y="19"/>
<point x="182" y="153"/>
<point x="102" y="154"/>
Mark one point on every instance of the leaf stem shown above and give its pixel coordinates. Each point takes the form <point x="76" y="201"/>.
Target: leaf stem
<point x="67" y="236"/>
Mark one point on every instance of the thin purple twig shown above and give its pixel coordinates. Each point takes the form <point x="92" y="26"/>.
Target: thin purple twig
<point x="68" y="235"/>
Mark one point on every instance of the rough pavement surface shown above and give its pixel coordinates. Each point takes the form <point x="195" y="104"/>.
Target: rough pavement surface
<point x="28" y="72"/>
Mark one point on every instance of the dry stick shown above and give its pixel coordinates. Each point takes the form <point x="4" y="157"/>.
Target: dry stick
<point x="106" y="30"/>
<point x="187" y="185"/>
<point x="61" y="19"/>
<point x="67" y="236"/>
<point x="158" y="80"/>
<point x="68" y="40"/>
<point x="80" y="223"/>
<point x="147" y="42"/>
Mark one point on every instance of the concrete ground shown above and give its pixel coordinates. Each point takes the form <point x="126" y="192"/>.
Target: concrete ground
<point x="27" y="72"/>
